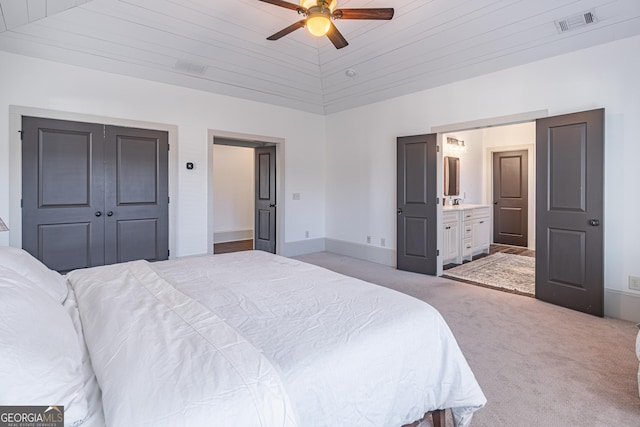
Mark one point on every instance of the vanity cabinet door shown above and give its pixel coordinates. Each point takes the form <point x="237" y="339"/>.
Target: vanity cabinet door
<point x="451" y="242"/>
<point x="480" y="233"/>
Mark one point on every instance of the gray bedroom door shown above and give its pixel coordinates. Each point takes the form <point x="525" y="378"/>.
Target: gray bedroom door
<point x="86" y="198"/>
<point x="510" y="197"/>
<point x="569" y="211"/>
<point x="417" y="204"/>
<point x="265" y="199"/>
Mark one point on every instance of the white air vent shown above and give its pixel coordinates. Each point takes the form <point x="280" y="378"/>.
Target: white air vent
<point x="576" y="21"/>
<point x="190" y="67"/>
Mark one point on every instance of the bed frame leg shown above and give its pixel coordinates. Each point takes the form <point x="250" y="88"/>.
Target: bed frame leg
<point x="438" y="417"/>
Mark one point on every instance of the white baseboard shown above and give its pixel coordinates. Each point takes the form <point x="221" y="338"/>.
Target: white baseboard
<point x="302" y="247"/>
<point x="232" y="236"/>
<point x="622" y="305"/>
<point x="371" y="253"/>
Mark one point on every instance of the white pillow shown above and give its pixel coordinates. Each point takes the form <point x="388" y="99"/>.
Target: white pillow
<point x="41" y="357"/>
<point x="21" y="261"/>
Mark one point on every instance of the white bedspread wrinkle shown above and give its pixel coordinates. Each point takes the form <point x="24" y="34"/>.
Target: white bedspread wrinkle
<point x="163" y="359"/>
<point x="350" y="353"/>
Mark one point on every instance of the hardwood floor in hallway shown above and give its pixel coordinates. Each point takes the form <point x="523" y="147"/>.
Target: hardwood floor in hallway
<point x="515" y="250"/>
<point x="237" y="246"/>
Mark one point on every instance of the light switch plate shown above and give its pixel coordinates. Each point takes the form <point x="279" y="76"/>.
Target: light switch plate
<point x="634" y="283"/>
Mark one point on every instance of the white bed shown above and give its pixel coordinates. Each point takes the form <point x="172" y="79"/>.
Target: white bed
<point x="259" y="340"/>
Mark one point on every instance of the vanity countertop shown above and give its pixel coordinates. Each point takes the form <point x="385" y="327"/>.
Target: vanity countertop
<point x="462" y="207"/>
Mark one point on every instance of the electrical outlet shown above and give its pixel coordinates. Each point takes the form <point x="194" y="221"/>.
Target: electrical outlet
<point x="634" y="283"/>
<point x="383" y="242"/>
<point x="368" y="239"/>
<point x="306" y="234"/>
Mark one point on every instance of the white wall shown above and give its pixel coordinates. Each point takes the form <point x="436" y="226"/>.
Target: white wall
<point x="41" y="84"/>
<point x="471" y="172"/>
<point x="233" y="192"/>
<point x="361" y="155"/>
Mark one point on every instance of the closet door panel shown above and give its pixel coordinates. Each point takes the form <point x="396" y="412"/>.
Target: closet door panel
<point x="63" y="192"/>
<point x="137" y="239"/>
<point x="136" y="196"/>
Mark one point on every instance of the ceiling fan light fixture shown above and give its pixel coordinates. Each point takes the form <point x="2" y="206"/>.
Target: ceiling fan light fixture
<point x="318" y="25"/>
<point x="318" y="15"/>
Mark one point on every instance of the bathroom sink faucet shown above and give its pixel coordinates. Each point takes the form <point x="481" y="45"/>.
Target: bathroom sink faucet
<point x="456" y="202"/>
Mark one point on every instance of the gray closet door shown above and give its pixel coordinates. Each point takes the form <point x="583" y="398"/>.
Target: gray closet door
<point x="136" y="195"/>
<point x="93" y="194"/>
<point x="63" y="192"/>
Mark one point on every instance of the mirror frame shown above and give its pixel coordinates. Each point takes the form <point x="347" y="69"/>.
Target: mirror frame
<point x="451" y="176"/>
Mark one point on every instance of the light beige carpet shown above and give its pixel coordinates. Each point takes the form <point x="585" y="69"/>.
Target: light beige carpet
<point x="538" y="364"/>
<point x="507" y="271"/>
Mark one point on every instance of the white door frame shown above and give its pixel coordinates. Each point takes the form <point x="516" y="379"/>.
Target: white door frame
<point x="280" y="200"/>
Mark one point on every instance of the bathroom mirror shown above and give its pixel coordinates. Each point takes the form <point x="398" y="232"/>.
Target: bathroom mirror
<point x="451" y="176"/>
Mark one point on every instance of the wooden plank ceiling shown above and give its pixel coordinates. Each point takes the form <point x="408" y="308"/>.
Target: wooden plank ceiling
<point x="220" y="45"/>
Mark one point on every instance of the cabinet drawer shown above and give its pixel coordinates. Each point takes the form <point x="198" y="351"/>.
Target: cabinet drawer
<point x="467" y="247"/>
<point x="480" y="213"/>
<point x="467" y="214"/>
<point x="468" y="231"/>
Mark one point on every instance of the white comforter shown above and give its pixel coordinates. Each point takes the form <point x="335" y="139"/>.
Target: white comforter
<point x="253" y="339"/>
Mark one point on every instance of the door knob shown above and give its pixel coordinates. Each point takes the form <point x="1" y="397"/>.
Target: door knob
<point x="110" y="213"/>
<point x="594" y="222"/>
<point x="98" y="213"/>
<point x="399" y="211"/>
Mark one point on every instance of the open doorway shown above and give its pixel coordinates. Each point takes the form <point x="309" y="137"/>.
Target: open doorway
<point x="233" y="193"/>
<point x="242" y="205"/>
<point x="496" y="199"/>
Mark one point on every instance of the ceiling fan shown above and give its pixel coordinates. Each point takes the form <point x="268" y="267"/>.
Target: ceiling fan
<point x="318" y="15"/>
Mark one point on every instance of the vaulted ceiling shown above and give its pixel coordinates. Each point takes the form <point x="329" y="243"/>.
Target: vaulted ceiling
<point x="220" y="45"/>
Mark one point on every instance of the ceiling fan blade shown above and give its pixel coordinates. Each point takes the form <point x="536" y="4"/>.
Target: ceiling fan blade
<point x="284" y="4"/>
<point x="336" y="37"/>
<point x="291" y="28"/>
<point x="377" y="13"/>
